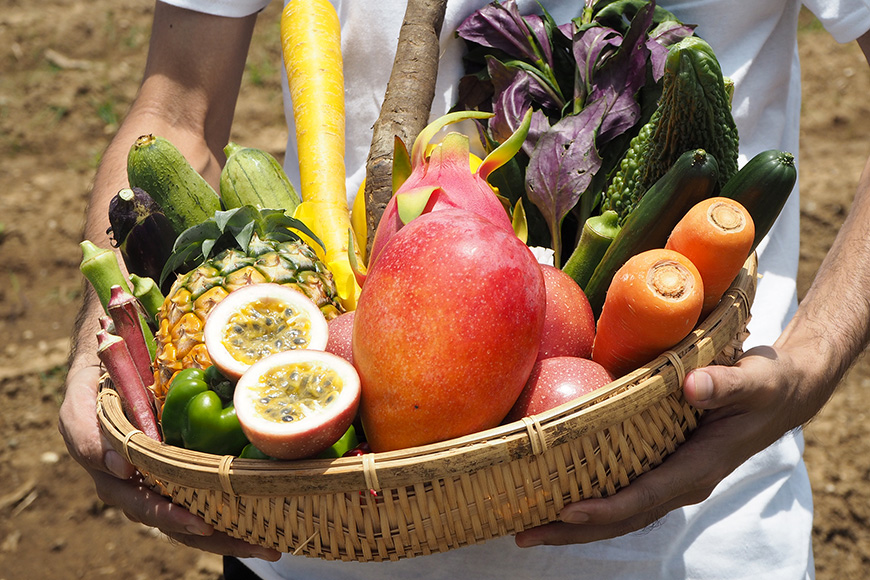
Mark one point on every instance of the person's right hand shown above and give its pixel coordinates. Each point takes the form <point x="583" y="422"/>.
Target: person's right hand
<point x="118" y="484"/>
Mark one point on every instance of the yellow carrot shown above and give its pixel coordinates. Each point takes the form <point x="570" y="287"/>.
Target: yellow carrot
<point x="311" y="42"/>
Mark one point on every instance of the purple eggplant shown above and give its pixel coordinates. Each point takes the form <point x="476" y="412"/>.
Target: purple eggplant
<point x="141" y="231"/>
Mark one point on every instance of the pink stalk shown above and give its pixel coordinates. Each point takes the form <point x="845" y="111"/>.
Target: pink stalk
<point x="135" y="396"/>
<point x="107" y="324"/>
<point x="124" y="310"/>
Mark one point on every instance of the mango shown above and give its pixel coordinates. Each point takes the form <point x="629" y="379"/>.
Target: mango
<point x="446" y="331"/>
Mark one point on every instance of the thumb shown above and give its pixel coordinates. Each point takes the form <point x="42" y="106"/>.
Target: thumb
<point x="710" y="387"/>
<point x="718" y="386"/>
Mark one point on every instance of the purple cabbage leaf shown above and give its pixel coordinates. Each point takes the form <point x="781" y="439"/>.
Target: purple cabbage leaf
<point x="562" y="166"/>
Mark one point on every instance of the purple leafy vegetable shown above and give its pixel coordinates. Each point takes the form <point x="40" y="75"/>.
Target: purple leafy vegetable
<point x="663" y="36"/>
<point x="562" y="166"/>
<point x="611" y="57"/>
<point x="590" y="47"/>
<point x="500" y="26"/>
<point x="516" y="89"/>
<point x="621" y="76"/>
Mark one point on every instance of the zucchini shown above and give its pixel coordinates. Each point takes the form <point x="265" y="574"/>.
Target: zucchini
<point x="186" y="198"/>
<point x="762" y="186"/>
<point x="254" y="177"/>
<point x="691" y="179"/>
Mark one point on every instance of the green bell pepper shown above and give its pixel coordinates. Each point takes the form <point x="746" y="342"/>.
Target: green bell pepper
<point x="251" y="452"/>
<point x="198" y="414"/>
<point x="347" y="442"/>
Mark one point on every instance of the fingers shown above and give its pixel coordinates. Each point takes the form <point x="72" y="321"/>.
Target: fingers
<point x="220" y="543"/>
<point x="600" y="519"/>
<point x="687" y="477"/>
<point x="715" y="387"/>
<point x="117" y="482"/>
<point x="143" y="505"/>
<point x="80" y="428"/>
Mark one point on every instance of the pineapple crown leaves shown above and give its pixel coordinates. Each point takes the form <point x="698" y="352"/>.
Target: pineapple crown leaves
<point x="234" y="228"/>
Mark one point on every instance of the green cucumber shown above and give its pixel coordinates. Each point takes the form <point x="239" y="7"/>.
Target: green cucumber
<point x="253" y="177"/>
<point x="598" y="233"/>
<point x="762" y="186"/>
<point x="691" y="179"/>
<point x="186" y="198"/>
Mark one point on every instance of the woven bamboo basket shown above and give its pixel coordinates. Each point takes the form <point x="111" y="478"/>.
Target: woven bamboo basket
<point x="439" y="497"/>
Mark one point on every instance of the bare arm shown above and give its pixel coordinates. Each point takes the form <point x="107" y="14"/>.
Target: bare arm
<point x="838" y="330"/>
<point x="771" y="390"/>
<point x="188" y="95"/>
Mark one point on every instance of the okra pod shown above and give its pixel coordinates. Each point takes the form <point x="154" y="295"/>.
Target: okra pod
<point x="595" y="238"/>
<point x="135" y="396"/>
<point x="127" y="319"/>
<point x="100" y="266"/>
<point x="146" y="291"/>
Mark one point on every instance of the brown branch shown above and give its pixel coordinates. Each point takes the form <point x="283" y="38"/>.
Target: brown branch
<point x="407" y="103"/>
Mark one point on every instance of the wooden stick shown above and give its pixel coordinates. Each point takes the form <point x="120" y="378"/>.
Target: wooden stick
<point x="407" y="103"/>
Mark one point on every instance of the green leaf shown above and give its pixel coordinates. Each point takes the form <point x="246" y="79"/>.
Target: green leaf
<point x="401" y="164"/>
<point x="411" y="203"/>
<point x="505" y="152"/>
<point x="178" y="258"/>
<point x="244" y="235"/>
<point x="196" y="234"/>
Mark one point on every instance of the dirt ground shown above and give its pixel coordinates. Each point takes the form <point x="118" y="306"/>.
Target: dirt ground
<point x="68" y="71"/>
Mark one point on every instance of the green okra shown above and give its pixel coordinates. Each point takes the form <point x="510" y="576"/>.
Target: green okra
<point x="100" y="266"/>
<point x="595" y="238"/>
<point x="146" y="291"/>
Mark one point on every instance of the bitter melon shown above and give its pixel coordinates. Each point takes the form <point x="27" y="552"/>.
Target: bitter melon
<point x="694" y="112"/>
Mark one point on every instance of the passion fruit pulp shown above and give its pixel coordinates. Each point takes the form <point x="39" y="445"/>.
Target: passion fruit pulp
<point x="258" y="320"/>
<point x="296" y="403"/>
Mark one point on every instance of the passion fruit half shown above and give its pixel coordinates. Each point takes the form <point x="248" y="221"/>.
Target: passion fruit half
<point x="258" y="320"/>
<point x="295" y="404"/>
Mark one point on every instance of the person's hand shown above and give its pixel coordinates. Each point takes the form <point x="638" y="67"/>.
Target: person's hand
<point x="119" y="484"/>
<point x="747" y="408"/>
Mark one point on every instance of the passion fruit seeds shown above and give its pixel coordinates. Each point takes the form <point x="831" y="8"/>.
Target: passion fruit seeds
<point x="294" y="391"/>
<point x="259" y="320"/>
<point x="263" y="327"/>
<point x="296" y="403"/>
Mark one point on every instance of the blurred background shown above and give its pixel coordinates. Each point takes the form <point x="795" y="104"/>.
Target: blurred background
<point x="68" y="72"/>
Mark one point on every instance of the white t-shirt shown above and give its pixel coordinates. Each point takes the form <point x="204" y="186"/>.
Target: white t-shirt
<point x="758" y="521"/>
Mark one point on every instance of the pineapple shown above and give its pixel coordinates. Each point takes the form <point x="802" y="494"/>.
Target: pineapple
<point x="253" y="246"/>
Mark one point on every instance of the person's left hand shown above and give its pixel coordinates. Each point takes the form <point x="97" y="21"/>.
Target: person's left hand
<point x="749" y="406"/>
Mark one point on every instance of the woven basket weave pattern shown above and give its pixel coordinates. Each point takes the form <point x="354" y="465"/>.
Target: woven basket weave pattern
<point x="431" y="499"/>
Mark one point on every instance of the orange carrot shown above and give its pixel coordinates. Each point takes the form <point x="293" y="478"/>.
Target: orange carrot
<point x="652" y="303"/>
<point x="716" y="235"/>
<point x="311" y="43"/>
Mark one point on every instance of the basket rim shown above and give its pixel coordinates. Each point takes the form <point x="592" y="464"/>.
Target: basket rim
<point x="393" y="469"/>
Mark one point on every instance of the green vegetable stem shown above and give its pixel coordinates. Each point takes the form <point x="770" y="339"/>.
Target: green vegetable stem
<point x="100" y="266"/>
<point x="146" y="291"/>
<point x="598" y="232"/>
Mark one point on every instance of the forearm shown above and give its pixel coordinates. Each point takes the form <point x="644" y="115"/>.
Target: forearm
<point x="832" y="324"/>
<point x="188" y="95"/>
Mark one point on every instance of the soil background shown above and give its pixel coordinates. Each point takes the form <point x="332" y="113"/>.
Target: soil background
<point x="68" y="72"/>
